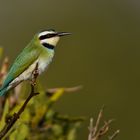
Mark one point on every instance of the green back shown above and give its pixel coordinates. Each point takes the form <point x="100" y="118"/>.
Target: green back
<point x="24" y="60"/>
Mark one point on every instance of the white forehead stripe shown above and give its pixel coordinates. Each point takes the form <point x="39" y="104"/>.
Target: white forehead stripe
<point x="45" y="33"/>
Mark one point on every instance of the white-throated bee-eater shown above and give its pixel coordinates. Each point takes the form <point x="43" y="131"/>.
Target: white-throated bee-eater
<point x="39" y="51"/>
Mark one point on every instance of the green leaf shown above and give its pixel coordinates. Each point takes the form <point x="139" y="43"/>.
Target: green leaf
<point x="57" y="95"/>
<point x="20" y="133"/>
<point x="5" y="112"/>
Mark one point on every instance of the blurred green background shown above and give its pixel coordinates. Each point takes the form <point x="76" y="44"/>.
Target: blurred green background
<point x="102" y="54"/>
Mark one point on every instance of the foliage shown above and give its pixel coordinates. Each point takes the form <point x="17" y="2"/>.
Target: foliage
<point x="39" y="120"/>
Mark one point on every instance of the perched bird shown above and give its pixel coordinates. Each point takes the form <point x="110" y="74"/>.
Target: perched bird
<point x="39" y="51"/>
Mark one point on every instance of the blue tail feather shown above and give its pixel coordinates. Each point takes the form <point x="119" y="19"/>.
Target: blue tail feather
<point x="3" y="91"/>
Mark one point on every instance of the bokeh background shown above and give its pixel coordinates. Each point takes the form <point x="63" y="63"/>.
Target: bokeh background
<point x="102" y="54"/>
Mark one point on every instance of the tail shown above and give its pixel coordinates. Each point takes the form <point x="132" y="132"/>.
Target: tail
<point x="3" y="91"/>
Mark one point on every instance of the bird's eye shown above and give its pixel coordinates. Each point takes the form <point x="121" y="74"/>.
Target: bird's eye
<point x="50" y="35"/>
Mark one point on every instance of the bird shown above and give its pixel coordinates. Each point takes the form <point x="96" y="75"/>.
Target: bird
<point x="39" y="52"/>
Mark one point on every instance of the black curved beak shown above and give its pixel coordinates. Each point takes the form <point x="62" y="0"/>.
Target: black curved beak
<point x="63" y="33"/>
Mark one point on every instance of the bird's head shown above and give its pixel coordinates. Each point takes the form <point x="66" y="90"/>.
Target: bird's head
<point x="50" y="37"/>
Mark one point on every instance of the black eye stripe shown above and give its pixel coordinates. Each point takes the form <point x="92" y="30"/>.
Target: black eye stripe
<point x="47" y="36"/>
<point x="48" y="46"/>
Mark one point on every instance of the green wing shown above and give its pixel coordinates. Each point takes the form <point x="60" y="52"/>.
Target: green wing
<point x="22" y="62"/>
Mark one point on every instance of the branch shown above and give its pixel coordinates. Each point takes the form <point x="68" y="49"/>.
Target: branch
<point x="114" y="135"/>
<point x="10" y="121"/>
<point x="93" y="129"/>
<point x="95" y="133"/>
<point x="52" y="91"/>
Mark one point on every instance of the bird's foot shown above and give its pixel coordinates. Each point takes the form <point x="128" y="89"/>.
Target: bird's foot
<point x="35" y="74"/>
<point x="33" y="82"/>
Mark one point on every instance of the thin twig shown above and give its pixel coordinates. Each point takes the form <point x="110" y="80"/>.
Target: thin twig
<point x="3" y="73"/>
<point x="103" y="130"/>
<point x="51" y="91"/>
<point x="98" y="121"/>
<point x="95" y="133"/>
<point x="12" y="119"/>
<point x="114" y="135"/>
<point x="91" y="129"/>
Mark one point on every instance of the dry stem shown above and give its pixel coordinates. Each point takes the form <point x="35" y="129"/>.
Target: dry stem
<point x="3" y="73"/>
<point x="95" y="133"/>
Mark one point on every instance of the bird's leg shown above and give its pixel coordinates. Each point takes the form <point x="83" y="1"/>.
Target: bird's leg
<point x="35" y="74"/>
